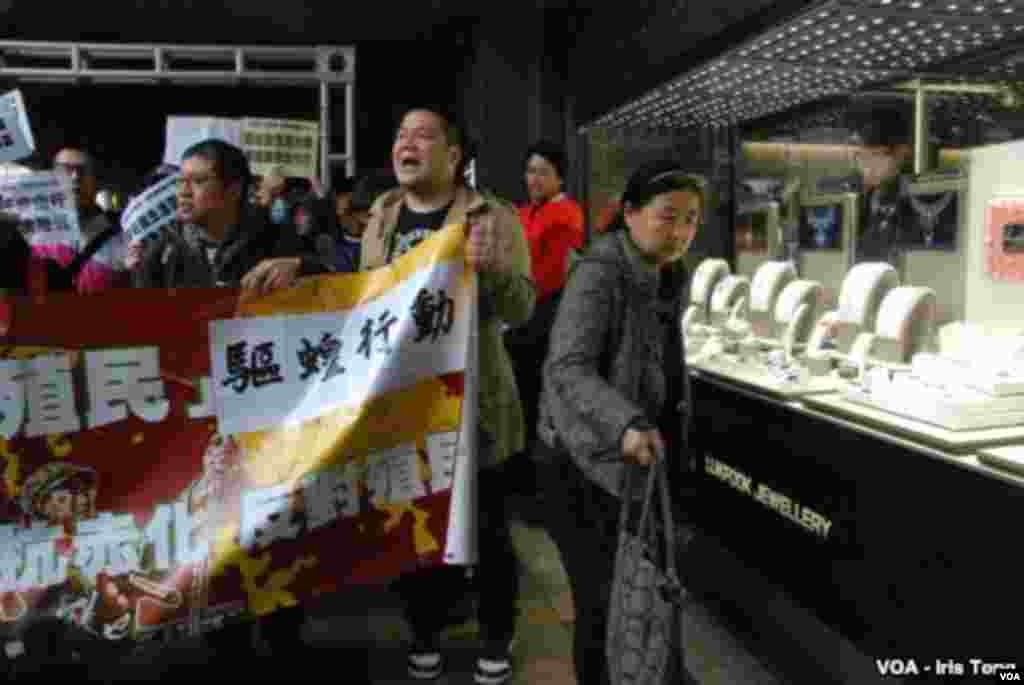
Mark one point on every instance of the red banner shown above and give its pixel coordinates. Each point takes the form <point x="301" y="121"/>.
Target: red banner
<point x="120" y="502"/>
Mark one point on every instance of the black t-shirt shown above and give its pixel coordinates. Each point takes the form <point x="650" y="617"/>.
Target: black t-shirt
<point x="413" y="228"/>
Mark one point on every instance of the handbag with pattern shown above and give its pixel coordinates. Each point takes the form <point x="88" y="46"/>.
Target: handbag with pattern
<point x="644" y="642"/>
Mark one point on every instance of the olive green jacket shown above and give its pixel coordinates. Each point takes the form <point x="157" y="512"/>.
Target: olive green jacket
<point x="507" y="296"/>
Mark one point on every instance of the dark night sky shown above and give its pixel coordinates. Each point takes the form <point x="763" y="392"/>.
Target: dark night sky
<point x="124" y="125"/>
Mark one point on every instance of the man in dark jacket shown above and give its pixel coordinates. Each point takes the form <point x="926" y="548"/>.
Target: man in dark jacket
<point x="221" y="236"/>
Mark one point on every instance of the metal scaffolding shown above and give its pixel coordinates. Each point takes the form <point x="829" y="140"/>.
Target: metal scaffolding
<point x="323" y="67"/>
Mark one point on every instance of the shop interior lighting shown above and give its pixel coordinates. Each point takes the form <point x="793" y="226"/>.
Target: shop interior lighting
<point x="835" y="48"/>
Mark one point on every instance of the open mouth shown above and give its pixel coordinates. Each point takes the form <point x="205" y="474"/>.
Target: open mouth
<point x="408" y="163"/>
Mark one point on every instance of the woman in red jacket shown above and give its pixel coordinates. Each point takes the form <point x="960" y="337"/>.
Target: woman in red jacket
<point x="553" y="221"/>
<point x="554" y="225"/>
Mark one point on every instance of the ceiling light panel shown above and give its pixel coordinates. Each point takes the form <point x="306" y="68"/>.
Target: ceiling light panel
<point x="833" y="49"/>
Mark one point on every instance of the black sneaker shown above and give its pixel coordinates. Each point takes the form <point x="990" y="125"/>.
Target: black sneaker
<point x="425" y="663"/>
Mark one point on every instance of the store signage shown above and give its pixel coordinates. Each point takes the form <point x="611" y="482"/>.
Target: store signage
<point x="783" y="505"/>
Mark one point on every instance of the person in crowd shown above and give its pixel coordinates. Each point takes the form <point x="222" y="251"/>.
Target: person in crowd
<point x="554" y="226"/>
<point x="367" y="189"/>
<point x="272" y="185"/>
<point x="220" y="237"/>
<point x="333" y="244"/>
<point x="614" y="383"/>
<point x="102" y="249"/>
<point x="886" y="153"/>
<point x="428" y="155"/>
<point x="342" y="192"/>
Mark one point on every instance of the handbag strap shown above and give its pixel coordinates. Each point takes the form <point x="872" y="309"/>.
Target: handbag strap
<point x="656" y="488"/>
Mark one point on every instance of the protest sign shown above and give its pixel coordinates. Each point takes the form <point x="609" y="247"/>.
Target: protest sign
<point x="46" y="208"/>
<point x="127" y="508"/>
<point x="16" y="140"/>
<point x="183" y="132"/>
<point x="148" y="213"/>
<point x="288" y="143"/>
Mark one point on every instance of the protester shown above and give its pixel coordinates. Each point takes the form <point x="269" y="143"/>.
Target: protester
<point x="366" y="191"/>
<point x="428" y="155"/>
<point x="554" y="226"/>
<point x="102" y="241"/>
<point x="221" y="238"/>
<point x="614" y="381"/>
<point x="272" y="186"/>
<point x="335" y="244"/>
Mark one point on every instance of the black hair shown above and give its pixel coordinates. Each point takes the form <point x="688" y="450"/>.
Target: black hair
<point x="451" y="122"/>
<point x="454" y="128"/>
<point x="653" y="179"/>
<point x="549" y="150"/>
<point x="229" y="161"/>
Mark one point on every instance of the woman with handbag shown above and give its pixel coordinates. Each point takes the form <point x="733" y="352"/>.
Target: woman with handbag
<point x="613" y="386"/>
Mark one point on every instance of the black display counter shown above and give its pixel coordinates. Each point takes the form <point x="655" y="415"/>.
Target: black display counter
<point x="899" y="551"/>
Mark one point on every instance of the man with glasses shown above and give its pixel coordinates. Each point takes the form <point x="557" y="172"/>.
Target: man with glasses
<point x="221" y="236"/>
<point x="101" y="240"/>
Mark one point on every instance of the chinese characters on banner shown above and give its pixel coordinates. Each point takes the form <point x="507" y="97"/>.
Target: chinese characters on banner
<point x="270" y="371"/>
<point x="148" y="213"/>
<point x="45" y="207"/>
<point x="291" y="144"/>
<point x="16" y="140"/>
<point x="129" y="508"/>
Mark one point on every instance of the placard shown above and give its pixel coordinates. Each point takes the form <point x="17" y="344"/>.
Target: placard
<point x="16" y="139"/>
<point x="183" y="132"/>
<point x="46" y="208"/>
<point x="151" y="211"/>
<point x="287" y="143"/>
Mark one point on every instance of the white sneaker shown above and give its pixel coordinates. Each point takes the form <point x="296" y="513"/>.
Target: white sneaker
<point x="493" y="671"/>
<point x="425" y="664"/>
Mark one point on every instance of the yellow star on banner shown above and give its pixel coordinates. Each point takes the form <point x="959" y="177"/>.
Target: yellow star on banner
<point x="273" y="594"/>
<point x="60" y="445"/>
<point x="12" y="471"/>
<point x="423" y="539"/>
